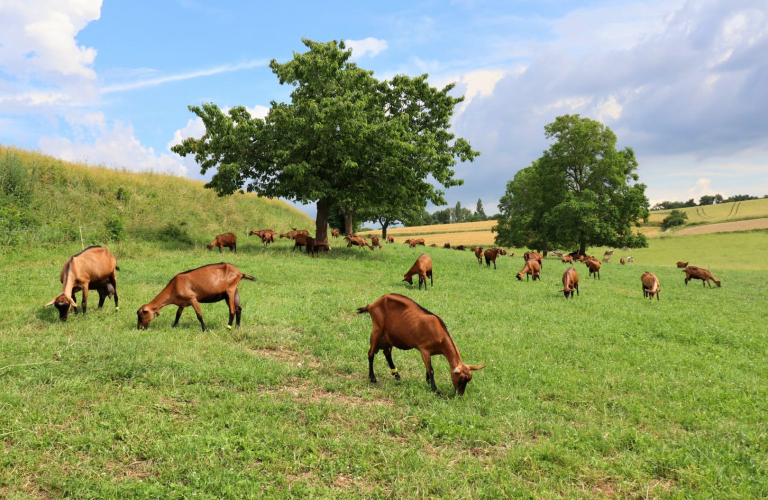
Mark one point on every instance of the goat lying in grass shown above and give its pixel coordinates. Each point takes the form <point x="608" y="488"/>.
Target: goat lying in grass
<point x="400" y="322"/>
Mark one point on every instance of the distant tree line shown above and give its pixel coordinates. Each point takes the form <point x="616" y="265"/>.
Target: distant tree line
<point x="704" y="200"/>
<point x="451" y="215"/>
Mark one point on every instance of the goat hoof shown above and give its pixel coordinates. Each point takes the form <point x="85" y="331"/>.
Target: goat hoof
<point x="397" y="377"/>
<point x="374" y="381"/>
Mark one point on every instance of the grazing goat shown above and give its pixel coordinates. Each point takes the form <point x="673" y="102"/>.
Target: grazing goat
<point x="570" y="282"/>
<point x="228" y="240"/>
<point x="622" y="261"/>
<point x="375" y="242"/>
<point x="408" y="241"/>
<point x="567" y="259"/>
<point x="490" y="256"/>
<point x="531" y="268"/>
<point x="479" y="254"/>
<point x="400" y="322"/>
<point x="650" y="285"/>
<point x="501" y="251"/>
<point x="608" y="252"/>
<point x="630" y="259"/>
<point x="419" y="241"/>
<point x="204" y="285"/>
<point x="697" y="273"/>
<point x="447" y="246"/>
<point x="359" y="241"/>
<point x="313" y="246"/>
<point x="335" y="233"/>
<point x="594" y="267"/>
<point x="682" y="265"/>
<point x="433" y="245"/>
<point x="267" y="235"/>
<point x="535" y="256"/>
<point x="292" y="234"/>
<point x="299" y="241"/>
<point x="460" y="247"/>
<point x="422" y="267"/>
<point x="390" y="239"/>
<point x="607" y="260"/>
<point x="92" y="269"/>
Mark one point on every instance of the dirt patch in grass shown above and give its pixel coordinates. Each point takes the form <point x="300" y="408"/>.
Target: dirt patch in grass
<point x="284" y="355"/>
<point x="136" y="470"/>
<point x="303" y="391"/>
<point x="349" y="482"/>
<point x="725" y="227"/>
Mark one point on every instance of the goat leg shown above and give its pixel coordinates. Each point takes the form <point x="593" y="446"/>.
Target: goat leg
<point x="199" y="313"/>
<point x="178" y="316"/>
<point x="393" y="369"/>
<point x="371" y="375"/>
<point x="85" y="298"/>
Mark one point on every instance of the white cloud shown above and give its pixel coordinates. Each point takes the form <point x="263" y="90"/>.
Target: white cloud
<point x="701" y="188"/>
<point x="38" y="37"/>
<point x="116" y="147"/>
<point x="370" y="45"/>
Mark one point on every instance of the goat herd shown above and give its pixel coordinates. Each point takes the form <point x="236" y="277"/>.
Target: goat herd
<point x="398" y="321"/>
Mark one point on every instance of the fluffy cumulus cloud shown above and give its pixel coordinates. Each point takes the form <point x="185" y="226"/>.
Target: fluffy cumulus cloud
<point x="673" y="79"/>
<point x="115" y="147"/>
<point x="367" y="46"/>
<point x="41" y="63"/>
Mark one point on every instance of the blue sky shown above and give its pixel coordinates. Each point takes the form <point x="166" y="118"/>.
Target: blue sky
<point x="683" y="83"/>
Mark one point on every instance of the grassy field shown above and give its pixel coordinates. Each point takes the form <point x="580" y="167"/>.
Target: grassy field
<point x="608" y="395"/>
<point x="751" y="209"/>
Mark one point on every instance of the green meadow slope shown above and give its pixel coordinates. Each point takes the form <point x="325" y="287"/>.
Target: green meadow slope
<point x="45" y="201"/>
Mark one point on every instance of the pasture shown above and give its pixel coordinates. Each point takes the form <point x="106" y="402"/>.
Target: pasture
<point x="608" y="395"/>
<point x="723" y="212"/>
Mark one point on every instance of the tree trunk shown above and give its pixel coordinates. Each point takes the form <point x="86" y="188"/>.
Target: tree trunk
<point x="321" y="221"/>
<point x="583" y="248"/>
<point x="349" y="214"/>
<point x="384" y="231"/>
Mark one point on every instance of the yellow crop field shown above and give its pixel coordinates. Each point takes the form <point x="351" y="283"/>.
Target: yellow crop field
<point x="440" y="228"/>
<point x="484" y="238"/>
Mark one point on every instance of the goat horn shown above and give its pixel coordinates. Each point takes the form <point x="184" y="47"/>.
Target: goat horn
<point x="475" y="367"/>
<point x="50" y="303"/>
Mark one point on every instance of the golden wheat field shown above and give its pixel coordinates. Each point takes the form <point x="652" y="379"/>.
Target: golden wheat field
<point x="751" y="209"/>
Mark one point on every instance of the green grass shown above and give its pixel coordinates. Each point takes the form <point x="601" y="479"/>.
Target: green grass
<point x="67" y="197"/>
<point x="608" y="395"/>
<point x="724" y="212"/>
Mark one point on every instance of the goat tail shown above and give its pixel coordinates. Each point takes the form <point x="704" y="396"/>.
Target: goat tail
<point x="362" y="310"/>
<point x="248" y="277"/>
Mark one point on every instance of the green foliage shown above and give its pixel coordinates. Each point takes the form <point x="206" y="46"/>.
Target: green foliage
<point x="173" y="232"/>
<point x="675" y="218"/>
<point x="581" y="192"/>
<point x="667" y="205"/>
<point x="740" y="197"/>
<point x="710" y="200"/>
<point x="479" y="211"/>
<point x="345" y="139"/>
<point x="460" y="214"/>
<point x="115" y="228"/>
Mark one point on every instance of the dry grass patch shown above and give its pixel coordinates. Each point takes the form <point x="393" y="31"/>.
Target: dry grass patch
<point x="284" y="355"/>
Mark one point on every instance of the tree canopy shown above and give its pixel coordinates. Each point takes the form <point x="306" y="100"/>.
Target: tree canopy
<point x="581" y="192"/>
<point x="345" y="139"/>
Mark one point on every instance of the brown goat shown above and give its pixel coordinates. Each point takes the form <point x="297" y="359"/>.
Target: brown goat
<point x="400" y="322"/>
<point x="490" y="256"/>
<point x="419" y="241"/>
<point x="422" y="267"/>
<point x="292" y="234"/>
<point x="359" y="241"/>
<point x="570" y="282"/>
<point x="531" y="268"/>
<point x="607" y="260"/>
<point x="608" y="252"/>
<point x="204" y="285"/>
<point x="313" y="246"/>
<point x="376" y="242"/>
<point x="479" y="254"/>
<point x="228" y="240"/>
<point x="300" y="241"/>
<point x="390" y="239"/>
<point x="447" y="246"/>
<point x="567" y="259"/>
<point x="650" y="285"/>
<point x="594" y="267"/>
<point x="682" y="265"/>
<point x="535" y="256"/>
<point x="697" y="273"/>
<point x="622" y="261"/>
<point x="407" y="242"/>
<point x="460" y="247"/>
<point x="321" y="246"/>
<point x="92" y="269"/>
<point x="335" y="233"/>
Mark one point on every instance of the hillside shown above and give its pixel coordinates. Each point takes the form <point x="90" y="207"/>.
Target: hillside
<point x="44" y="200"/>
<point x="724" y="212"/>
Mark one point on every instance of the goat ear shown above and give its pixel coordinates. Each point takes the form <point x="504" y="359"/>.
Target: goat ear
<point x="475" y="367"/>
<point x="50" y="303"/>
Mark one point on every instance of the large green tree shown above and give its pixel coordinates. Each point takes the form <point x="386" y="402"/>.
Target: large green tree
<point x="581" y="192"/>
<point x="345" y="139"/>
